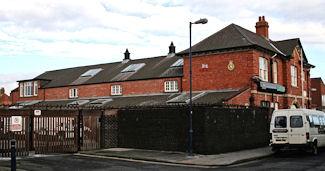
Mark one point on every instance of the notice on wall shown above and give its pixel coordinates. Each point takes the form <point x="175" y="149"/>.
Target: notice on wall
<point x="37" y="112"/>
<point x="16" y="123"/>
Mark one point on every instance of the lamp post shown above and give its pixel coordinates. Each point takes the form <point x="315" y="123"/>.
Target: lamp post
<point x="200" y="21"/>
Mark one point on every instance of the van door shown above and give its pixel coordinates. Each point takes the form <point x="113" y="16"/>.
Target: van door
<point x="297" y="128"/>
<point x="280" y="128"/>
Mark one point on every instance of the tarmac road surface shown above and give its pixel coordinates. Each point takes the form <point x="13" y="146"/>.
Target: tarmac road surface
<point x="293" y="160"/>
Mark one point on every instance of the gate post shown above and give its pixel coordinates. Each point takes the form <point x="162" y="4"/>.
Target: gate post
<point x="80" y="130"/>
<point x="13" y="154"/>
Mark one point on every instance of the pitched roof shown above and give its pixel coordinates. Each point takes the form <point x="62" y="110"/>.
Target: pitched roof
<point x="203" y="97"/>
<point x="157" y="67"/>
<point x="232" y="36"/>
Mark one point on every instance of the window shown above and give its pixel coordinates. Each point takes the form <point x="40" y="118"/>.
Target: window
<point x="316" y="121"/>
<point x="275" y="72"/>
<point x="21" y="89"/>
<point x="265" y="103"/>
<point x="35" y="88"/>
<point x="323" y="100"/>
<point x="280" y="122"/>
<point x="91" y="72"/>
<point x="133" y="67"/>
<point x="171" y="86"/>
<point x="294" y="76"/>
<point x="178" y="63"/>
<point x="28" y="89"/>
<point x="263" y="69"/>
<point x="116" y="90"/>
<point x="296" y="121"/>
<point x="73" y="93"/>
<point x="305" y="93"/>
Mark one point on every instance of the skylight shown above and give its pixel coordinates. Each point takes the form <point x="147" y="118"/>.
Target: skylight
<point x="91" y="72"/>
<point x="178" y="63"/>
<point x="79" y="102"/>
<point x="100" y="102"/>
<point x="133" y="67"/>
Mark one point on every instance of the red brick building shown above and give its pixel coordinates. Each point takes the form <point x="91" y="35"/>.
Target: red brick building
<point x="4" y="99"/>
<point x="232" y="66"/>
<point x="318" y="93"/>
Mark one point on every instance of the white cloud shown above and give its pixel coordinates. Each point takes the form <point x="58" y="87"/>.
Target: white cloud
<point x="103" y="29"/>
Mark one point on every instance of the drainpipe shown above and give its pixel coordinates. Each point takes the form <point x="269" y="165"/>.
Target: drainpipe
<point x="302" y="81"/>
<point x="271" y="70"/>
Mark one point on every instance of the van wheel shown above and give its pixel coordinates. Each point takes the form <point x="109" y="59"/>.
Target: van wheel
<point x="314" y="149"/>
<point x="276" y="150"/>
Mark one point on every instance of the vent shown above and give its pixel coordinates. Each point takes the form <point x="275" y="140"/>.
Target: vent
<point x="91" y="72"/>
<point x="133" y="67"/>
<point x="178" y="63"/>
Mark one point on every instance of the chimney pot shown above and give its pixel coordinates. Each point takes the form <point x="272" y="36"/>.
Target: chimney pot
<point x="259" y="18"/>
<point x="263" y="18"/>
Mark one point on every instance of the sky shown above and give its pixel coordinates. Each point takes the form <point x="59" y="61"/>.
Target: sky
<point x="43" y="35"/>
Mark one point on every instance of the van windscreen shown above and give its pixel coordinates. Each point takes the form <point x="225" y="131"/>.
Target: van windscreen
<point x="280" y="122"/>
<point x="296" y="121"/>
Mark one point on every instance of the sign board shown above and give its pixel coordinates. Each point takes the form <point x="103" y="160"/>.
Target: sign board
<point x="16" y="123"/>
<point x="37" y="112"/>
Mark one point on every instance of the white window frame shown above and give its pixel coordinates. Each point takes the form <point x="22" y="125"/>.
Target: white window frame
<point x="116" y="89"/>
<point x="28" y="89"/>
<point x="263" y="71"/>
<point x="171" y="86"/>
<point x="275" y="72"/>
<point x="294" y="76"/>
<point x="305" y="93"/>
<point x="35" y="88"/>
<point x="73" y="93"/>
<point x="323" y="100"/>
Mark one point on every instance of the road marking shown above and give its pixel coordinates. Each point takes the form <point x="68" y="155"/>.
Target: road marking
<point x="144" y="161"/>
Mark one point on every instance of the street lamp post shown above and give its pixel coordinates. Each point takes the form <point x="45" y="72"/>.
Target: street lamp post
<point x="201" y="21"/>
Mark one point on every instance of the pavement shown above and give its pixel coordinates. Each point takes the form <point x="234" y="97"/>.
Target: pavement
<point x="224" y="159"/>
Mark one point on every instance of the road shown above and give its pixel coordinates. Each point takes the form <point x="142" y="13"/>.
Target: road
<point x="285" y="161"/>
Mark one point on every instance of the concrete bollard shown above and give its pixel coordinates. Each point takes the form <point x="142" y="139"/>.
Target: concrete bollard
<point x="13" y="154"/>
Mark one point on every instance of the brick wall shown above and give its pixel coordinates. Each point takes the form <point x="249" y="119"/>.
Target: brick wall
<point x="96" y="90"/>
<point x="318" y="85"/>
<point x="210" y="72"/>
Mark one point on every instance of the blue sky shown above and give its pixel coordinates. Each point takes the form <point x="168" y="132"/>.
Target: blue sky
<point x="42" y="35"/>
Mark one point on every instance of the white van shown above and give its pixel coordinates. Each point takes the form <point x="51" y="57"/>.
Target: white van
<point x="297" y="128"/>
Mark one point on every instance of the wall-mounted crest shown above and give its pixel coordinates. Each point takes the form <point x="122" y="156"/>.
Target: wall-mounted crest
<point x="231" y="66"/>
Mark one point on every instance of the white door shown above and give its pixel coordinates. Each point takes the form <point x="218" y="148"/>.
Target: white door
<point x="297" y="128"/>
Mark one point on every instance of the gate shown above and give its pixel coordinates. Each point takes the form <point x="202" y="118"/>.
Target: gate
<point x="90" y="129"/>
<point x="53" y="131"/>
<point x="22" y="137"/>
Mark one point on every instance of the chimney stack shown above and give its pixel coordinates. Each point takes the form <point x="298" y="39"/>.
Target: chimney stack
<point x="126" y="55"/>
<point x="262" y="27"/>
<point x="172" y="51"/>
<point x="2" y="91"/>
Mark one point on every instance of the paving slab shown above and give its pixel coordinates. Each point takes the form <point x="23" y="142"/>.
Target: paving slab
<point x="224" y="159"/>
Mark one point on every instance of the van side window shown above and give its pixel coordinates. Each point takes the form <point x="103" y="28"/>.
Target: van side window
<point x="316" y="121"/>
<point x="280" y="122"/>
<point x="296" y="121"/>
